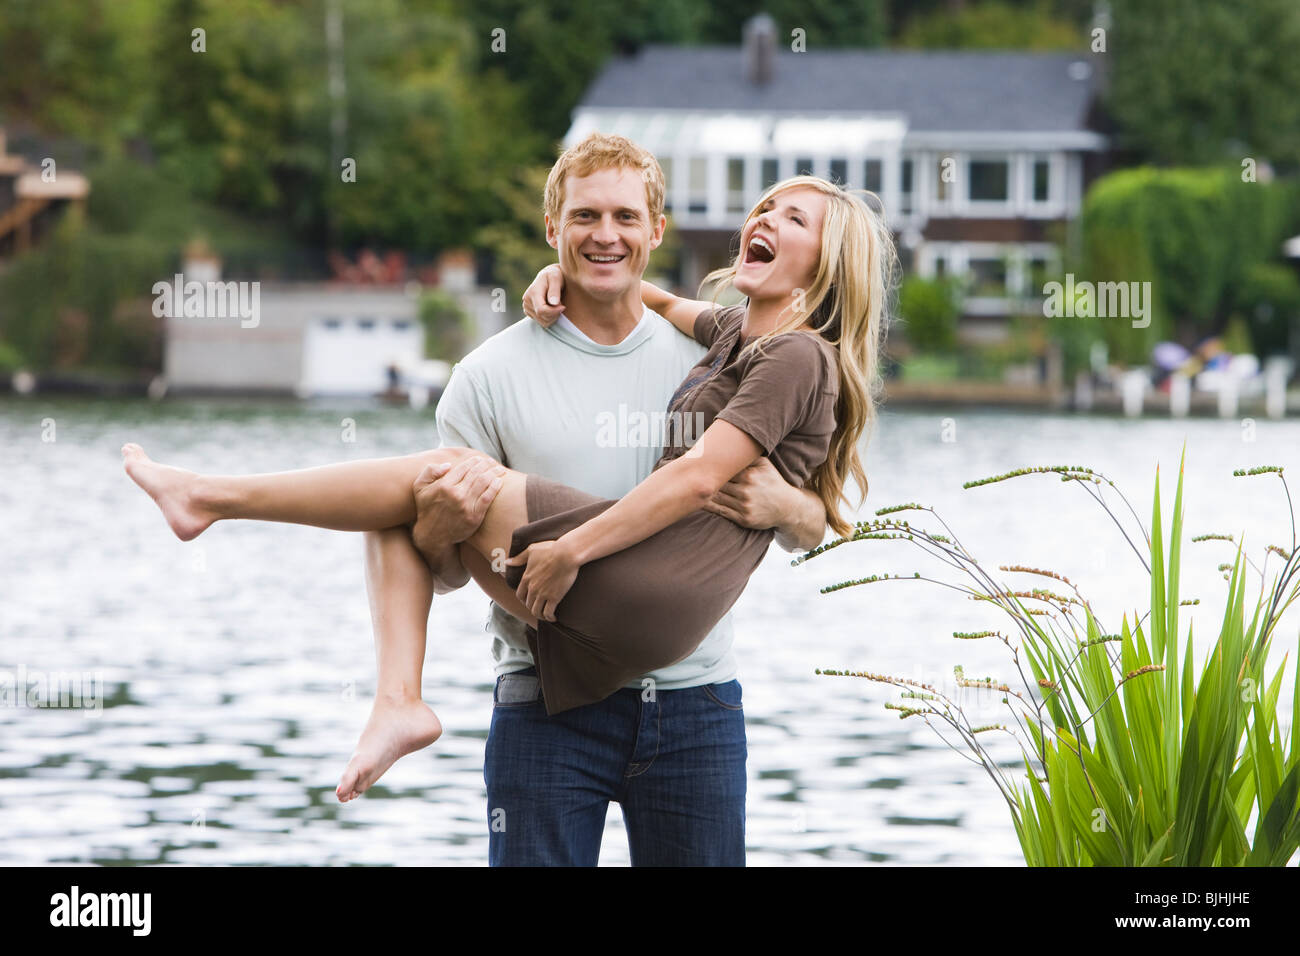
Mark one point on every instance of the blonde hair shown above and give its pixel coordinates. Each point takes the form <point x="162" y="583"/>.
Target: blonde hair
<point x="847" y="306"/>
<point x="604" y="151"/>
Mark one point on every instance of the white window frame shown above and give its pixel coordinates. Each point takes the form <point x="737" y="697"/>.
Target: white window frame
<point x="950" y="205"/>
<point x="1054" y="207"/>
<point x="741" y="195"/>
<point x="917" y="160"/>
<point x="710" y="193"/>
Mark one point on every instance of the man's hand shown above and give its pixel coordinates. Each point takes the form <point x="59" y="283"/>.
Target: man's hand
<point x="450" y="502"/>
<point x="760" y="498"/>
<point x="542" y="299"/>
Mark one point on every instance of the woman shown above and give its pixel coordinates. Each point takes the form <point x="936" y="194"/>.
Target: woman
<point x="614" y="589"/>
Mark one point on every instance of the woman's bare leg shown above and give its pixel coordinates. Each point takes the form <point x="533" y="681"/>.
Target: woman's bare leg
<point x="368" y="495"/>
<point x="400" y="588"/>
<point x="365" y="495"/>
<point x="401" y="592"/>
<point x="359" y="496"/>
<point x="494" y="585"/>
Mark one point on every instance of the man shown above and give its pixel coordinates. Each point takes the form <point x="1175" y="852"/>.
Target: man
<point x="577" y="402"/>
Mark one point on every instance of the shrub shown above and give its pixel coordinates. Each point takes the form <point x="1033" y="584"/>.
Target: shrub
<point x="1133" y="757"/>
<point x="930" y="310"/>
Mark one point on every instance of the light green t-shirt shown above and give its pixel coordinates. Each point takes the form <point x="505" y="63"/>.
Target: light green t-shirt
<point x="550" y="401"/>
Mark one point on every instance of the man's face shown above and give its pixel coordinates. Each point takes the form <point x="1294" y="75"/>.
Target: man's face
<point x="605" y="235"/>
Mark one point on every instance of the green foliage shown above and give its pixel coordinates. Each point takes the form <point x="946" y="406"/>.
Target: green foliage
<point x="993" y="25"/>
<point x="247" y="122"/>
<point x="1202" y="82"/>
<point x="1236" y="336"/>
<point x="447" y="329"/>
<point x="826" y="23"/>
<point x="1134" y="757"/>
<point x="10" y="358"/>
<point x="555" y="48"/>
<point x="931" y="367"/>
<point x="1194" y="234"/>
<point x="432" y="138"/>
<point x="1270" y="303"/>
<point x="219" y="117"/>
<point x="930" y="310"/>
<point x="517" y="240"/>
<point x="59" y="305"/>
<point x="84" y="295"/>
<point x="75" y="65"/>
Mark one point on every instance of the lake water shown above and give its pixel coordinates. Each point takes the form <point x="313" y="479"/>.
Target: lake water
<point x="238" y="668"/>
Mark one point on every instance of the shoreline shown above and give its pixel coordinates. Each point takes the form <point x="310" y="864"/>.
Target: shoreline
<point x="895" y="394"/>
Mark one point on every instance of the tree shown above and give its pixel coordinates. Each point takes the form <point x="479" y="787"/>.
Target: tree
<point x="231" y="110"/>
<point x="551" y="50"/>
<point x="930" y="310"/>
<point x="447" y="329"/>
<point x="1197" y="235"/>
<point x="995" y="25"/>
<point x="826" y="23"/>
<point x="64" y="68"/>
<point x="1197" y="83"/>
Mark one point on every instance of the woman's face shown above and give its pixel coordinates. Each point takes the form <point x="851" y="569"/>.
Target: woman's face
<point x="779" y="247"/>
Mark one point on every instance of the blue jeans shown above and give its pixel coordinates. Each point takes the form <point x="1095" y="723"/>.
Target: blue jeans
<point x="674" y="763"/>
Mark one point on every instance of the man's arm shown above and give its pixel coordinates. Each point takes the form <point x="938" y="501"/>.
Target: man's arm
<point x="760" y="498"/>
<point x="677" y="310"/>
<point x="450" y="503"/>
<point x="543" y="301"/>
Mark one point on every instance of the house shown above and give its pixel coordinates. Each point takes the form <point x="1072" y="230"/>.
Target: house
<point x="979" y="158"/>
<point x="307" y="339"/>
<point x="32" y="199"/>
<point x="293" y="338"/>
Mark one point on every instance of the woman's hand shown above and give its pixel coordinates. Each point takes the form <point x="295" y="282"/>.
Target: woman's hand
<point x="549" y="573"/>
<point x="542" y="299"/>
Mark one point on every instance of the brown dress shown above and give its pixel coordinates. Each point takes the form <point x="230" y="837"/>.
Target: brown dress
<point x="651" y="604"/>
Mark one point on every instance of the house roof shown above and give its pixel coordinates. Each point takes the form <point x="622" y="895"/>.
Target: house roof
<point x="979" y="91"/>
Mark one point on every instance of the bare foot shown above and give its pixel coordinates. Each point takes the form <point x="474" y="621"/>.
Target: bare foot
<point x="172" y="490"/>
<point x="395" y="729"/>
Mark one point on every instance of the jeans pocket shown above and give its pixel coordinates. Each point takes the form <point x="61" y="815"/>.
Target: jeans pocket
<point x="725" y="694"/>
<point x="520" y="689"/>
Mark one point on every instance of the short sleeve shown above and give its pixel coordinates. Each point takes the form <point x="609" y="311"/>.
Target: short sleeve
<point x="781" y="387"/>
<point x="709" y="324"/>
<point x="464" y="415"/>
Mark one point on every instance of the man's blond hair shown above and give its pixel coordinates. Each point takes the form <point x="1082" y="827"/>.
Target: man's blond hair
<point x="602" y="151"/>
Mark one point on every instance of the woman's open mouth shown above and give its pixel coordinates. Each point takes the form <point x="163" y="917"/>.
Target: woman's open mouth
<point x="758" y="252"/>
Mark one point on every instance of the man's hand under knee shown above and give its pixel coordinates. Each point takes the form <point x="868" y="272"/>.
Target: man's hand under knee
<point x="450" y="502"/>
<point x="760" y="498"/>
